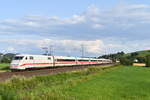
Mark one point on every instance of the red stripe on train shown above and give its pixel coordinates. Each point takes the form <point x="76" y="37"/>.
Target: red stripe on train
<point x="56" y="63"/>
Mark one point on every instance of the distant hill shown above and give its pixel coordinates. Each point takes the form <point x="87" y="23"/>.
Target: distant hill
<point x="143" y="53"/>
<point x="140" y="55"/>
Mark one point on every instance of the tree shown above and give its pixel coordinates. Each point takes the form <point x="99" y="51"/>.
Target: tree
<point x="148" y="61"/>
<point x="134" y="54"/>
<point x="120" y="53"/>
<point x="114" y="57"/>
<point x="126" y="61"/>
<point x="7" y="58"/>
<point x="141" y="59"/>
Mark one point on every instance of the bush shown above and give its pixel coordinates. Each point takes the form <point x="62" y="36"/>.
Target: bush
<point x="141" y="59"/>
<point x="148" y="61"/>
<point x="6" y="60"/>
<point x="126" y="61"/>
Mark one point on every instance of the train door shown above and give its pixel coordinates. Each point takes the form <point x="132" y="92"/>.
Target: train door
<point x="50" y="61"/>
<point x="30" y="61"/>
<point x="27" y="61"/>
<point x="53" y="61"/>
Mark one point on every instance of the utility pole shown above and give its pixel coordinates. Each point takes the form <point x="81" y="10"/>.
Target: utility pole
<point x="82" y="50"/>
<point x="50" y="50"/>
<point x="46" y="50"/>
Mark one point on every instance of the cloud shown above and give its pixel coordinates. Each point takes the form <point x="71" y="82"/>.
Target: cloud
<point x="97" y="26"/>
<point x="92" y="28"/>
<point x="139" y="6"/>
<point x="74" y="47"/>
<point x="10" y="49"/>
<point x="115" y="22"/>
<point x="91" y="47"/>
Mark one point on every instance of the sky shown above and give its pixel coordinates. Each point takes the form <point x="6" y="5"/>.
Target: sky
<point x="99" y="26"/>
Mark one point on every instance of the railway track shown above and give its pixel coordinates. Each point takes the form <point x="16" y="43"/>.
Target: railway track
<point x="7" y="75"/>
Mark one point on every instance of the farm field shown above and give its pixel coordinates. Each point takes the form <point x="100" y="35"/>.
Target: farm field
<point x="116" y="83"/>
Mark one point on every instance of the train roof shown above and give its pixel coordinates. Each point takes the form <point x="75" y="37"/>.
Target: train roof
<point x="29" y="55"/>
<point x="61" y="57"/>
<point x="64" y="57"/>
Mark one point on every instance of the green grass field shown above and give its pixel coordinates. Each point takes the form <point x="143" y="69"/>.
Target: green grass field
<point x="127" y="83"/>
<point x="4" y="67"/>
<point x="117" y="83"/>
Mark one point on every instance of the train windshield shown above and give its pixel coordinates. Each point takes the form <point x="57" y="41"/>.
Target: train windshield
<point x="18" y="58"/>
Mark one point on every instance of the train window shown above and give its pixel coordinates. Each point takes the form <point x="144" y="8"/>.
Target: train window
<point x="49" y="58"/>
<point x="66" y="60"/>
<point x="60" y="60"/>
<point x="82" y="60"/>
<point x="18" y="58"/>
<point x="31" y="57"/>
<point x="26" y="58"/>
<point x="93" y="60"/>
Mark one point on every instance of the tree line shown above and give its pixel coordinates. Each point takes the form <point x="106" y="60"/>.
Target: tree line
<point x="6" y="58"/>
<point x="128" y="59"/>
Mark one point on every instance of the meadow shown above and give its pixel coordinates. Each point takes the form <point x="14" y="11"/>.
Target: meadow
<point x="116" y="83"/>
<point x="4" y="67"/>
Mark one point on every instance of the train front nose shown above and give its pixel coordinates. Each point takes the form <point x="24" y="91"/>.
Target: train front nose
<point x="14" y="64"/>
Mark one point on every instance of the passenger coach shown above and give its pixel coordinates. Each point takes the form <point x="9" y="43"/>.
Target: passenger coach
<point x="22" y="62"/>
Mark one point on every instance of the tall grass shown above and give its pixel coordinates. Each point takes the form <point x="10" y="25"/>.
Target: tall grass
<point x="50" y="87"/>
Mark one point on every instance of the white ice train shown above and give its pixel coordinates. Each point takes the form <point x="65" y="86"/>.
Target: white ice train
<point x="22" y="62"/>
